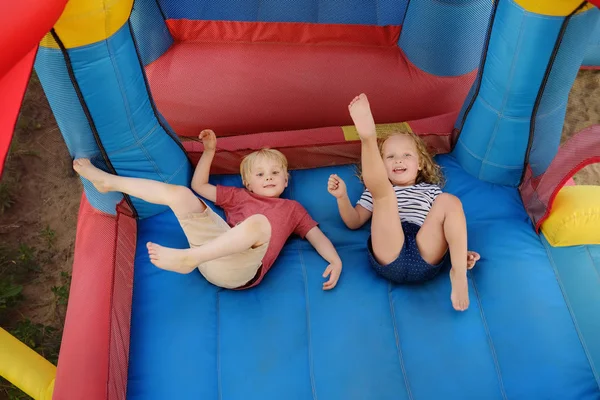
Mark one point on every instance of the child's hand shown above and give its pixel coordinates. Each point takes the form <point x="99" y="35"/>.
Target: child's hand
<point x="209" y="139"/>
<point x="333" y="271"/>
<point x="336" y="186"/>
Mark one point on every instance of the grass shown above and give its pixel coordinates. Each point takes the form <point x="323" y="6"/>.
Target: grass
<point x="49" y="236"/>
<point x="7" y="196"/>
<point x="18" y="265"/>
<point x="61" y="292"/>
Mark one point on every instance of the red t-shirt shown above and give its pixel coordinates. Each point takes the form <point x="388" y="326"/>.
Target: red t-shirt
<point x="286" y="217"/>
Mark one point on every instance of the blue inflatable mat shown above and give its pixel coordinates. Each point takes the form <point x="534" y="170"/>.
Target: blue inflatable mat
<point x="367" y="339"/>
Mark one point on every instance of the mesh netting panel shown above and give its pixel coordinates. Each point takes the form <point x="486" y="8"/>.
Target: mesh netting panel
<point x="149" y="29"/>
<point x="551" y="110"/>
<point x="378" y="12"/>
<point x="538" y="193"/>
<point x="592" y="55"/>
<point x="445" y="38"/>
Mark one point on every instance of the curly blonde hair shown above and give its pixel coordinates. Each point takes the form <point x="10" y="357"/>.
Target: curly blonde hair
<point x="430" y="172"/>
<point x="249" y="160"/>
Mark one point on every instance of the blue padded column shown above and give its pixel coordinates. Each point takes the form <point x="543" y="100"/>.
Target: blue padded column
<point x="495" y="133"/>
<point x="111" y="81"/>
<point x="71" y="120"/>
<point x="445" y="38"/>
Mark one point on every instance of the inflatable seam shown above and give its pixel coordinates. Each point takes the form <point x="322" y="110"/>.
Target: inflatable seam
<point x="509" y="83"/>
<point x="136" y="143"/>
<point x="493" y="164"/>
<point x="570" y="308"/>
<point x="398" y="347"/>
<point x="490" y="340"/>
<point x="308" y="326"/>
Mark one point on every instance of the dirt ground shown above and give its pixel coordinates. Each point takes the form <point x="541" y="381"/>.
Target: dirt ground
<point x="48" y="193"/>
<point x="583" y="110"/>
<point x="44" y="214"/>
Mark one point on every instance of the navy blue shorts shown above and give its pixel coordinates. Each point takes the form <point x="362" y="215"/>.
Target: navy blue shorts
<point x="409" y="267"/>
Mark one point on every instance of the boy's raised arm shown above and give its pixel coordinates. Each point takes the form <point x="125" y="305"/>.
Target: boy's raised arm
<point x="200" y="180"/>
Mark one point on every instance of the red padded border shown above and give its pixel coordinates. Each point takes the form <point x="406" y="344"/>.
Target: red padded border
<point x="94" y="352"/>
<point x="312" y="148"/>
<point x="221" y="79"/>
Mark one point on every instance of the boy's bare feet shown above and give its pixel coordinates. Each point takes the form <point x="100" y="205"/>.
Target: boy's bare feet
<point x="177" y="260"/>
<point x="460" y="290"/>
<point x="472" y="258"/>
<point x="99" y="178"/>
<point x="360" y="111"/>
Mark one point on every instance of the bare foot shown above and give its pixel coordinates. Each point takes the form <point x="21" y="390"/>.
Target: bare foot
<point x="472" y="258"/>
<point x="360" y="111"/>
<point x="176" y="260"/>
<point x="460" y="290"/>
<point x="84" y="167"/>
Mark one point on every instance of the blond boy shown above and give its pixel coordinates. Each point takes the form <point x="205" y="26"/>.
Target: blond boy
<point x="238" y="253"/>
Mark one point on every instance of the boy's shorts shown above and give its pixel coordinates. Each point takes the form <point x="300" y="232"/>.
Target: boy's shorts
<point x="409" y="267"/>
<point x="232" y="271"/>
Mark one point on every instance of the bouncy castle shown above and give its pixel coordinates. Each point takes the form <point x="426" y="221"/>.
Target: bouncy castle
<point x="485" y="83"/>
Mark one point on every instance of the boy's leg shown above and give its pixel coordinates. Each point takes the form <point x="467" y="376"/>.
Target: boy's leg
<point x="445" y="228"/>
<point x="253" y="232"/>
<point x="387" y="237"/>
<point x="179" y="198"/>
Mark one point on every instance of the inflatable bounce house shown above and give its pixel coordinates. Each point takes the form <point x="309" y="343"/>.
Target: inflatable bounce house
<point x="485" y="83"/>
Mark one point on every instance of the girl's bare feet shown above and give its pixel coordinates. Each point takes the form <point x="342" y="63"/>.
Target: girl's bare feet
<point x="177" y="260"/>
<point x="460" y="290"/>
<point x="99" y="178"/>
<point x="360" y="111"/>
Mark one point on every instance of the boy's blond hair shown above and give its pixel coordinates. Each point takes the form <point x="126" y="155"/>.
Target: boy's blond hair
<point x="249" y="160"/>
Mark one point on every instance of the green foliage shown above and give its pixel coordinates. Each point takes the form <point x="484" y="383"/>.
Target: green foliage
<point x="62" y="292"/>
<point x="10" y="293"/>
<point x="7" y="198"/>
<point x="49" y="236"/>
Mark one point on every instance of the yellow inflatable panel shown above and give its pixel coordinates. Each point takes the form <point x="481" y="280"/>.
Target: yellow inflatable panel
<point x="555" y="8"/>
<point x="575" y="217"/>
<point x="350" y="132"/>
<point x="25" y="368"/>
<point x="89" y="21"/>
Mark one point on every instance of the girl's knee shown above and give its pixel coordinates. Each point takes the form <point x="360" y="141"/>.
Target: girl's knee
<point x="449" y="202"/>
